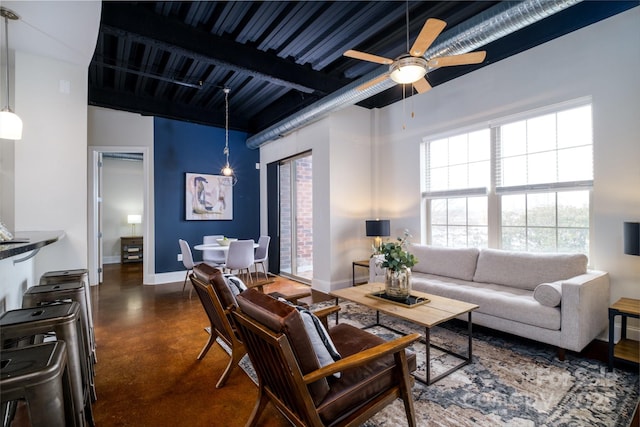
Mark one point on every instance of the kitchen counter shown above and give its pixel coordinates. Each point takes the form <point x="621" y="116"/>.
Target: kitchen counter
<point x="26" y="241"/>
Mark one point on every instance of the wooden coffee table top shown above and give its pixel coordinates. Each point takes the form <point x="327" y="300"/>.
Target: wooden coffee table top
<point x="436" y="311"/>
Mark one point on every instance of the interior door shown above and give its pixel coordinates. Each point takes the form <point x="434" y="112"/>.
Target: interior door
<point x="99" y="213"/>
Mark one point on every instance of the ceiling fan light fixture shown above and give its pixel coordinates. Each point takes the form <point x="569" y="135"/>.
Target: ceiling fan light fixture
<point x="408" y="69"/>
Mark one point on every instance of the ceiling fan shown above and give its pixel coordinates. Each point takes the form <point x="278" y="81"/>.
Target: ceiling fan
<point x="411" y="67"/>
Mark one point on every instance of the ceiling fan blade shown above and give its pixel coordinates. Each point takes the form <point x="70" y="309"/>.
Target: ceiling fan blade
<point x="431" y="29"/>
<point x="463" y="59"/>
<point x="368" y="57"/>
<point x="375" y="81"/>
<point x="422" y="85"/>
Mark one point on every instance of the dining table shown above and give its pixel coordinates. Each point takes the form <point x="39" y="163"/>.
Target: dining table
<point x="215" y="247"/>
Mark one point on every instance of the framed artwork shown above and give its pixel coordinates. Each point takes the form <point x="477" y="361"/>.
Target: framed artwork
<point x="208" y="197"/>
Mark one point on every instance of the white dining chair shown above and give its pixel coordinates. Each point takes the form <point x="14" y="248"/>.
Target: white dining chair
<point x="261" y="254"/>
<point x="212" y="257"/>
<point x="187" y="261"/>
<point x="240" y="257"/>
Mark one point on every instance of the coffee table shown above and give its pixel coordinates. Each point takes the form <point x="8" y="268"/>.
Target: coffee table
<point x="438" y="310"/>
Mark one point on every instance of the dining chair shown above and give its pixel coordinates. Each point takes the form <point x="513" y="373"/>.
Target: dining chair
<point x="261" y="254"/>
<point x="187" y="261"/>
<point x="240" y="257"/>
<point x="213" y="257"/>
<point x="370" y="373"/>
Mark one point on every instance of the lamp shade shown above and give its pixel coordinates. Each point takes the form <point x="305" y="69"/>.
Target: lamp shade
<point x="378" y="227"/>
<point x="632" y="238"/>
<point x="10" y="125"/>
<point x="134" y="219"/>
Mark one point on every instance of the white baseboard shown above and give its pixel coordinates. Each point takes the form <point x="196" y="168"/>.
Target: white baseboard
<point x="163" y="278"/>
<point x="633" y="333"/>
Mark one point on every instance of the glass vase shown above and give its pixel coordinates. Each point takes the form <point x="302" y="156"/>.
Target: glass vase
<point x="398" y="284"/>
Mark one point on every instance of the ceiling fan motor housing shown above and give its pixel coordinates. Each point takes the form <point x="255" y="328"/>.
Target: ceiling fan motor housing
<point x="408" y="69"/>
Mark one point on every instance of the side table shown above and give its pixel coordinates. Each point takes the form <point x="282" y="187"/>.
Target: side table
<point x="354" y="264"/>
<point x="131" y="249"/>
<point x="625" y="349"/>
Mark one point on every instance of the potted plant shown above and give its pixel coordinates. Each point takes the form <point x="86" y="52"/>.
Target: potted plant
<point x="394" y="257"/>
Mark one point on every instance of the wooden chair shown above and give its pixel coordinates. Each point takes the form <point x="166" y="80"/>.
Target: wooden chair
<point x="216" y="298"/>
<point x="373" y="373"/>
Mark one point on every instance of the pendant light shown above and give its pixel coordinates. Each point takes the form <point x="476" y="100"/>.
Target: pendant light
<point x="227" y="170"/>
<point x="10" y="123"/>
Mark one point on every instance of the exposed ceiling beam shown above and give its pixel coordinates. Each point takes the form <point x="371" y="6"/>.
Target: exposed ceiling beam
<point x="152" y="106"/>
<point x="141" y="25"/>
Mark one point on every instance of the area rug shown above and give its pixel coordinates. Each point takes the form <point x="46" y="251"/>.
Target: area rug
<point x="511" y="382"/>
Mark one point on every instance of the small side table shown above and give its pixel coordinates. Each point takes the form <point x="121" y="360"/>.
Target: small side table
<point x="131" y="249"/>
<point x="354" y="264"/>
<point x="625" y="349"/>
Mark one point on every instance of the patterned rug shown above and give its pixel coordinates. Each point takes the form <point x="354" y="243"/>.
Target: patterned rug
<point x="511" y="382"/>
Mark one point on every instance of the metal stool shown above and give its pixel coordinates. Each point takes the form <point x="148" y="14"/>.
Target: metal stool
<point x="21" y="326"/>
<point x="38" y="374"/>
<point x="70" y="291"/>
<point x="79" y="275"/>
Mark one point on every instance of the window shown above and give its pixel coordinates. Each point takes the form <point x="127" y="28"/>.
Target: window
<point x="457" y="179"/>
<point x="535" y="172"/>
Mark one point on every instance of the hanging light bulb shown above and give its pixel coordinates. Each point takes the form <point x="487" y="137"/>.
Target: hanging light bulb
<point x="10" y="122"/>
<point x="227" y="170"/>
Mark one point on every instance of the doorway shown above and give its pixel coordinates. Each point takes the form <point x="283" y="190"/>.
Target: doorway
<point x="106" y="228"/>
<point x="295" y="182"/>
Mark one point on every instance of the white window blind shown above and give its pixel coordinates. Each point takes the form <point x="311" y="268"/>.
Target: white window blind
<point x="553" y="151"/>
<point x="459" y="165"/>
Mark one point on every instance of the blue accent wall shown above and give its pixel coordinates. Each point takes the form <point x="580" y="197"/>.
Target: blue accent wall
<point x="181" y="147"/>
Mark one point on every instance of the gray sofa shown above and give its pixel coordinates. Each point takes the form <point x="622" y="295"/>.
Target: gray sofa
<point x="551" y="298"/>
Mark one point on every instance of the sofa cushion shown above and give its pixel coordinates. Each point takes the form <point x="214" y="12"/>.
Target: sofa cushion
<point x="500" y="301"/>
<point x="284" y="318"/>
<point x="549" y="294"/>
<point x="459" y="263"/>
<point x="527" y="270"/>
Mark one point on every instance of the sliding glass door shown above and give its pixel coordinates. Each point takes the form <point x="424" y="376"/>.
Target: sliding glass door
<point x="296" y="217"/>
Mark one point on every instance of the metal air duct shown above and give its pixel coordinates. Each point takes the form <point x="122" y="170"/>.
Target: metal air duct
<point x="494" y="23"/>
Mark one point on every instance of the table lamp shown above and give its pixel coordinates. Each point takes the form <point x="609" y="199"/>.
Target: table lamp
<point x="632" y="238"/>
<point x="378" y="228"/>
<point x="133" y="220"/>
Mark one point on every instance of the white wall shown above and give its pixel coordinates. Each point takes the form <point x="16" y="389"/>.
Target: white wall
<point x="44" y="174"/>
<point x="600" y="61"/>
<point x="50" y="166"/>
<point x="341" y="151"/>
<point x="120" y="131"/>
<point x="123" y="194"/>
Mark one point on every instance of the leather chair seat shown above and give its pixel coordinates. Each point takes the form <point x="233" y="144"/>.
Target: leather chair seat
<point x="359" y="385"/>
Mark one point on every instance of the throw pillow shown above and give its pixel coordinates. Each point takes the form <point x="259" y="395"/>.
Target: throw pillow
<point x="235" y="284"/>
<point x="549" y="294"/>
<point x="319" y="337"/>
